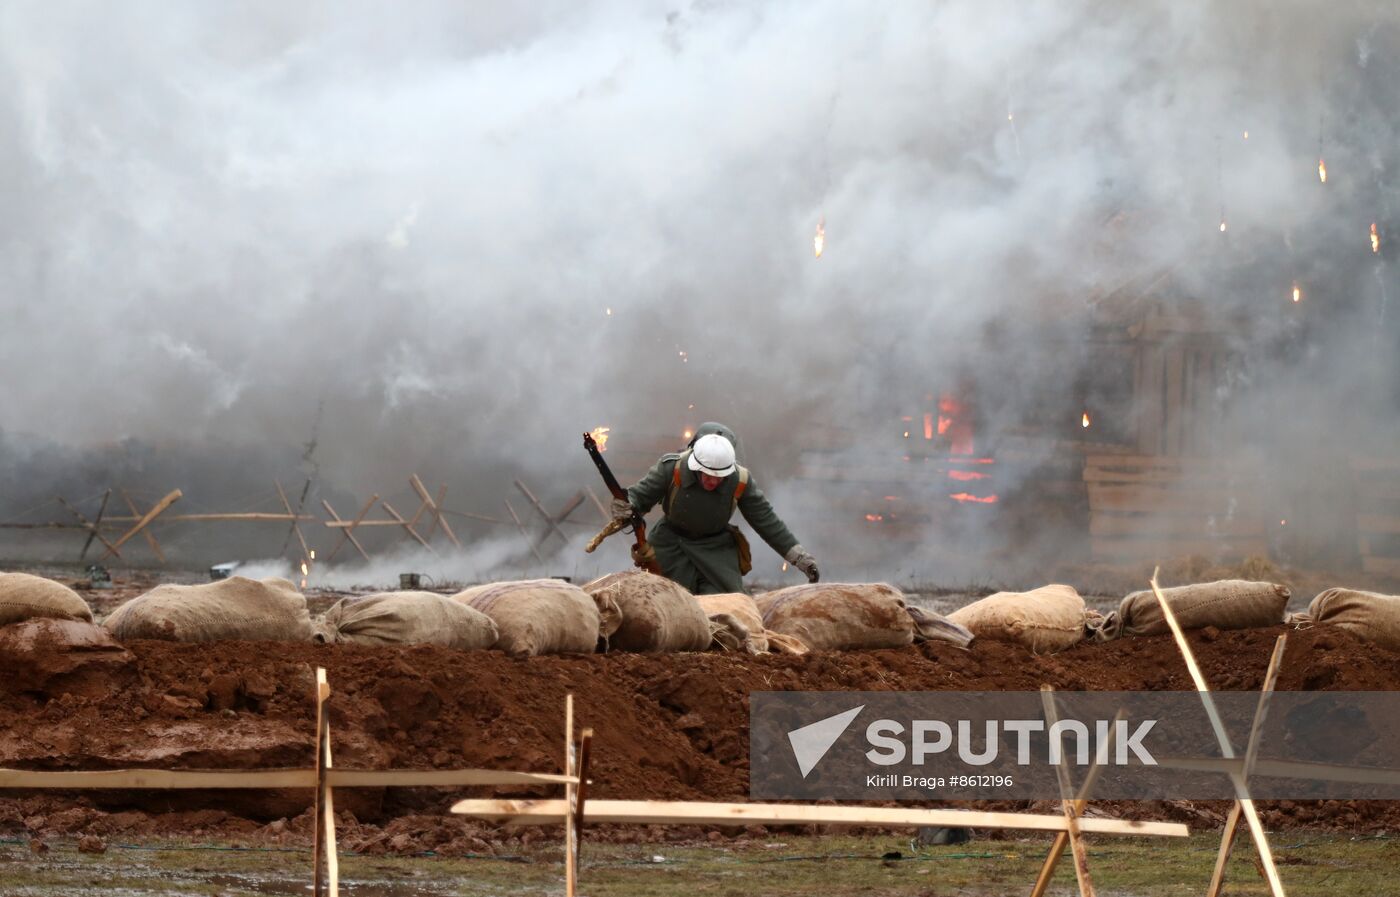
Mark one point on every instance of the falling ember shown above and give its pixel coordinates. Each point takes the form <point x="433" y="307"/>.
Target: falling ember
<point x="313" y="554"/>
<point x="1246" y="135"/>
<point x="1375" y="238"/>
<point x="906" y="434"/>
<point x="819" y="241"/>
<point x="784" y="566"/>
<point x="600" y="436"/>
<point x="1297" y="292"/>
<point x="874" y="518"/>
<point x="1084" y="421"/>
<point x="1222" y="225"/>
<point x="608" y="312"/>
<point x="1321" y="170"/>
<point x="687" y="435"/>
<point x="1283" y="523"/>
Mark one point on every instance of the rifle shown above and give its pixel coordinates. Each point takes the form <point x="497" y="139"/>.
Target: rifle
<point x="642" y="555"/>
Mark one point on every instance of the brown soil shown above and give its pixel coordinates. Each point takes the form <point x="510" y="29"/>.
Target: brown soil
<point x="667" y="726"/>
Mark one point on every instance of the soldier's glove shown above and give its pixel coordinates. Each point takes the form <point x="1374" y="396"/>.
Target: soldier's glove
<point x="802" y="560"/>
<point x="622" y="510"/>
<point x="644" y="556"/>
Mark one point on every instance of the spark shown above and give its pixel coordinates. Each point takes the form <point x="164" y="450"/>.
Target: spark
<point x="1297" y="292"/>
<point x="687" y="435"/>
<point x="1375" y="238"/>
<point x="1222" y="224"/>
<point x="1246" y="135"/>
<point x="1084" y="421"/>
<point x="819" y="240"/>
<point x="1321" y="170"/>
<point x="608" y="312"/>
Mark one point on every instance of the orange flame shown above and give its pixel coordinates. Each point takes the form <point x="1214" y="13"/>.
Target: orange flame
<point x="600" y="436"/>
<point x="966" y="475"/>
<point x="1375" y="238"/>
<point x="928" y="426"/>
<point x="976" y="499"/>
<point x="687" y="435"/>
<point x="1084" y="421"/>
<point x="819" y="241"/>
<point x="1297" y="292"/>
<point x="1321" y="170"/>
<point x="874" y="518"/>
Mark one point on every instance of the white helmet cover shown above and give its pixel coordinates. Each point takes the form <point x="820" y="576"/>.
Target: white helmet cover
<point x="713" y="454"/>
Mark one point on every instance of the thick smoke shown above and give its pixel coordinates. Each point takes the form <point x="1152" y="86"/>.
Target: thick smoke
<point x="230" y="227"/>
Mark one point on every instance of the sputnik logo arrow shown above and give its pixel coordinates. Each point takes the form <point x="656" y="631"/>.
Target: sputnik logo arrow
<point x="811" y="742"/>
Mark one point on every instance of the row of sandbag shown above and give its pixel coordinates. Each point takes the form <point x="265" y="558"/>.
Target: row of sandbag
<point x="630" y="611"/>
<point x="1053" y="618"/>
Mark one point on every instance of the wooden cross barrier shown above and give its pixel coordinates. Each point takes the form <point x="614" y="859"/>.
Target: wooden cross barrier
<point x="1243" y="802"/>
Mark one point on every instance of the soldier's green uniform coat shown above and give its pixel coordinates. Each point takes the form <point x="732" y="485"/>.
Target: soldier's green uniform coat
<point x="692" y="541"/>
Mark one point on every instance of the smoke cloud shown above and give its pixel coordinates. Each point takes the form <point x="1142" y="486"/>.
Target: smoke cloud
<point x="341" y="241"/>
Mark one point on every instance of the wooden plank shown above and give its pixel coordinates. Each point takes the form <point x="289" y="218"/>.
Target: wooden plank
<point x="318" y="844"/>
<point x="158" y="778"/>
<point x="1385" y="566"/>
<point x="658" y="812"/>
<point x="1103" y="523"/>
<point x="1146" y="499"/>
<point x="571" y="803"/>
<point x="145" y="521"/>
<point x="1227" y="844"/>
<point x="1057" y="849"/>
<point x="437" y="517"/>
<point x="222" y="779"/>
<point x="1378" y="524"/>
<point x="1174" y="412"/>
<point x="296" y="522"/>
<point x="1109" y="548"/>
<point x="1251" y="815"/>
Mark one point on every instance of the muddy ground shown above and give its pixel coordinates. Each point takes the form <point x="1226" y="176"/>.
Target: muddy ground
<point x="669" y="727"/>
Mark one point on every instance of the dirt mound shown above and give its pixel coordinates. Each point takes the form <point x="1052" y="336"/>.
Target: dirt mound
<point x="666" y="726"/>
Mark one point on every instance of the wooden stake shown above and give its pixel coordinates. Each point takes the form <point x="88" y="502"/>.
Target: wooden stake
<point x="1067" y="802"/>
<point x="96" y="524"/>
<point x="571" y="804"/>
<point x="1251" y="815"/>
<point x="562" y="516"/>
<point x="136" y="515"/>
<point x="437" y="518"/>
<point x="296" y="523"/>
<point x="1232" y="822"/>
<point x="408" y="528"/>
<point x="145" y="521"/>
<point x="585" y="747"/>
<point x="1057" y="849"/>
<point x="434" y="507"/>
<point x="523" y="534"/>
<point x="602" y="511"/>
<point x="318" y="844"/>
<point x="91" y="527"/>
<point x="348" y="532"/>
<point x="539" y="509"/>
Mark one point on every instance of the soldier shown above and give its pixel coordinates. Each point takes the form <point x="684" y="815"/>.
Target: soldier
<point x="699" y="489"/>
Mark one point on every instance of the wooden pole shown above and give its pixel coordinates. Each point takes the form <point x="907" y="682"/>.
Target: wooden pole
<point x="91" y="527"/>
<point x="136" y="515"/>
<point x="602" y="511"/>
<point x="433" y="524"/>
<point x="347" y="533"/>
<point x="1251" y="815"/>
<point x="539" y="509"/>
<point x="585" y="747"/>
<point x="296" y="523"/>
<point x="406" y="525"/>
<point x="1067" y="802"/>
<point x="145" y="521"/>
<point x="1052" y="859"/>
<point x="523" y="533"/>
<point x="350" y="530"/>
<point x="562" y="516"/>
<point x="318" y="844"/>
<point x="96" y="523"/>
<point x="1232" y="822"/>
<point x="433" y="508"/>
<point x="571" y="803"/>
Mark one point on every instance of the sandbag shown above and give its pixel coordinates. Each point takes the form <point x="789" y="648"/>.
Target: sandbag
<point x="1372" y="616"/>
<point x="25" y="597"/>
<point x="1227" y="604"/>
<point x="934" y="627"/>
<point x="538" y="616"/>
<point x="1046" y="620"/>
<point x="658" y="615"/>
<point x="406" y="618"/>
<point x="840" y="616"/>
<point x="742" y="609"/>
<point x="234" y="608"/>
